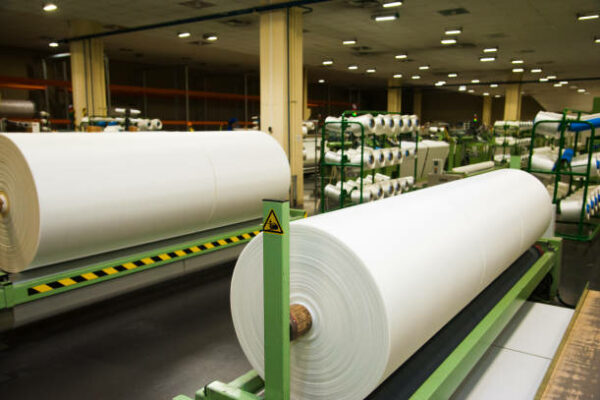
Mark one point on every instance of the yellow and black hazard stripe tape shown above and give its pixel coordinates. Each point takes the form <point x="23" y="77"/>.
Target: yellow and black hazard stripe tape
<point x="128" y="266"/>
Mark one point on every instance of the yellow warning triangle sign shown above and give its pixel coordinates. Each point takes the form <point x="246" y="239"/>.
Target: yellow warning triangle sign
<point x="272" y="224"/>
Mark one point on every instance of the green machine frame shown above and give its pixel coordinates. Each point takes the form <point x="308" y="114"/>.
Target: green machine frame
<point x="440" y="384"/>
<point x="15" y="292"/>
<point x="559" y="172"/>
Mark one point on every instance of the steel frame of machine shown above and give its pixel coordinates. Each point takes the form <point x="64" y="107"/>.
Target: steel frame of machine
<point x="17" y="292"/>
<point x="440" y="384"/>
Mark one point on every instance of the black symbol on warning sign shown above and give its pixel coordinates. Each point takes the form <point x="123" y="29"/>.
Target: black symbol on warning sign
<point x="272" y="224"/>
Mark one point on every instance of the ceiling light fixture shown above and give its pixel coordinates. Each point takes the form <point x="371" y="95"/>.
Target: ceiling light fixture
<point x="551" y="77"/>
<point x="401" y="56"/>
<point x="211" y="37"/>
<point x="424" y="67"/>
<point x="452" y="75"/>
<point x="572" y="87"/>
<point x="518" y="70"/>
<point x="474" y="80"/>
<point x="321" y="80"/>
<point x="497" y="96"/>
<point x="486" y="94"/>
<point x="371" y="70"/>
<point x="352" y="67"/>
<point x="557" y="85"/>
<point x="490" y="50"/>
<point x="385" y="17"/>
<point x="327" y="62"/>
<point x="397" y="76"/>
<point x="517" y="61"/>
<point x="543" y="79"/>
<point x="182" y="35"/>
<point x="453" y="31"/>
<point x="49" y="7"/>
<point x="462" y="88"/>
<point x="588" y="16"/>
<point x="440" y="83"/>
<point x="536" y="70"/>
<point x="448" y="41"/>
<point x="471" y="91"/>
<point x="493" y="85"/>
<point x="597" y="39"/>
<point x="564" y="82"/>
<point x="53" y="44"/>
<point x="415" y="77"/>
<point x="581" y="90"/>
<point x="391" y="4"/>
<point x="349" y="42"/>
<point x="487" y="59"/>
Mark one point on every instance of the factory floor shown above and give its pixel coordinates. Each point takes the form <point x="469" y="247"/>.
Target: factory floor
<point x="162" y="341"/>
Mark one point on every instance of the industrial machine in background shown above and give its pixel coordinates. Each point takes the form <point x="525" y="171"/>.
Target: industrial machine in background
<point x="21" y="116"/>
<point x="120" y="119"/>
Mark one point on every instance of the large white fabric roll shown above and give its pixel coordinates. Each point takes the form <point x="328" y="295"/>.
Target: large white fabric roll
<point x="380" y="279"/>
<point x="71" y="195"/>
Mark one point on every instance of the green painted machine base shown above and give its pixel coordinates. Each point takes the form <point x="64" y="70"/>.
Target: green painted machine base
<point x="448" y="376"/>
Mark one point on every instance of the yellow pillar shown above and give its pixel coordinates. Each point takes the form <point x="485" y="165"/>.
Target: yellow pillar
<point x="486" y="115"/>
<point x="394" y="102"/>
<point x="281" y="89"/>
<point x="512" y="100"/>
<point x="418" y="103"/>
<point x="87" y="72"/>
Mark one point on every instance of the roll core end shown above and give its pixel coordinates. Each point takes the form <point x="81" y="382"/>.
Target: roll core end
<point x="3" y="203"/>
<point x="300" y="321"/>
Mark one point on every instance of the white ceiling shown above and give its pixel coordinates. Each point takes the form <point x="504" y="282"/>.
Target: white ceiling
<point x="544" y="33"/>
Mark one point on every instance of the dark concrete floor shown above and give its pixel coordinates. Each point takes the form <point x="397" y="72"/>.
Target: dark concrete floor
<point x="155" y="344"/>
<point x="167" y="340"/>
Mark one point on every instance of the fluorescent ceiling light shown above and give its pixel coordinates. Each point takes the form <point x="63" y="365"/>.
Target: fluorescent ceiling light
<point x="53" y="44"/>
<point x="183" y="35"/>
<point x="543" y="79"/>
<point x="493" y="85"/>
<point x="397" y="76"/>
<point x="415" y="77"/>
<point x="327" y="62"/>
<point x="49" y="7"/>
<point x="452" y="75"/>
<point x="487" y="59"/>
<point x="60" y="55"/>
<point x="321" y="80"/>
<point x="462" y="88"/>
<point x="572" y="87"/>
<point x="385" y="17"/>
<point x="597" y="39"/>
<point x="371" y="70"/>
<point x="557" y="85"/>
<point x="580" y="90"/>
<point x="349" y="42"/>
<point x="517" y="61"/>
<point x="391" y="4"/>
<point x="211" y="37"/>
<point x="448" y="41"/>
<point x="471" y="91"/>
<point x="401" y="56"/>
<point x="474" y="80"/>
<point x="536" y="70"/>
<point x="490" y="50"/>
<point x="453" y="31"/>
<point x="486" y="94"/>
<point x="424" y="67"/>
<point x="352" y="67"/>
<point x="588" y="16"/>
<point x="564" y="82"/>
<point x="518" y="70"/>
<point x="440" y="83"/>
<point x="551" y="77"/>
<point x="497" y="96"/>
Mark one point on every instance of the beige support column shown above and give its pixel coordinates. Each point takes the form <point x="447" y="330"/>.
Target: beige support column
<point x="418" y="102"/>
<point x="394" y="103"/>
<point x="281" y="105"/>
<point x="307" y="111"/>
<point x="486" y="115"/>
<point x="512" y="102"/>
<point x="87" y="72"/>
